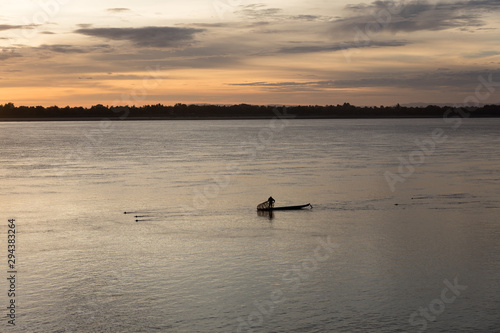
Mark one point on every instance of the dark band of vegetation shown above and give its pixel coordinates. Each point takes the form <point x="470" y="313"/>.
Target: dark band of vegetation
<point x="194" y="111"/>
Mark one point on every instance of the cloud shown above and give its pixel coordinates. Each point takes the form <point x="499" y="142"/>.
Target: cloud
<point x="284" y="84"/>
<point x="118" y="10"/>
<point x="307" y="17"/>
<point x="8" y="53"/>
<point x="8" y="27"/>
<point x="161" y="37"/>
<point x="339" y="46"/>
<point x="264" y="14"/>
<point x="258" y="12"/>
<point x="415" y="15"/>
<point x="443" y="80"/>
<point x="289" y="86"/>
<point x="59" y="48"/>
<point x="482" y="54"/>
<point x="12" y="27"/>
<point x="63" y="48"/>
<point x="461" y="80"/>
<point x="210" y="25"/>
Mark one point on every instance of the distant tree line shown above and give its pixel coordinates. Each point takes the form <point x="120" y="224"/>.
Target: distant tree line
<point x="193" y="111"/>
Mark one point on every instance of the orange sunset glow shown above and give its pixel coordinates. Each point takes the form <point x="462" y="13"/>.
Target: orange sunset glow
<point x="59" y="52"/>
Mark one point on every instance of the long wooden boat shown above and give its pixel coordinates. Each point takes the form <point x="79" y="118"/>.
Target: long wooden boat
<point x="265" y="207"/>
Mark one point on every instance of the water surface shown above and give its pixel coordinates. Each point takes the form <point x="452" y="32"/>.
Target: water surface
<point x="200" y="258"/>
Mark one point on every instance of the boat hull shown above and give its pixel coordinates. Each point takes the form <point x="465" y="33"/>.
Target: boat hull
<point x="285" y="208"/>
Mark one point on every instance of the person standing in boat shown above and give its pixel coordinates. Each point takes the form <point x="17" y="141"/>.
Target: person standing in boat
<point x="271" y="202"/>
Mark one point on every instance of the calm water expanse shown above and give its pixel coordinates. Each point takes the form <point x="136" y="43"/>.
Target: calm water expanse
<point x="404" y="235"/>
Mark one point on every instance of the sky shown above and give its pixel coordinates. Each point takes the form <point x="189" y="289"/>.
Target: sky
<point x="315" y="52"/>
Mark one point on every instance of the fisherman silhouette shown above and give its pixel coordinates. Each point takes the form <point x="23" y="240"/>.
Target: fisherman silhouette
<point x="271" y="202"/>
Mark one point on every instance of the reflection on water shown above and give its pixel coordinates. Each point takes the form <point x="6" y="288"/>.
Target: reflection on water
<point x="191" y="255"/>
<point x="266" y="213"/>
